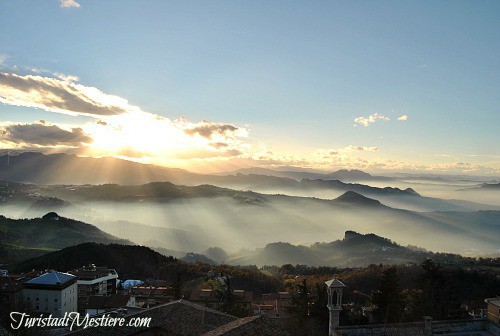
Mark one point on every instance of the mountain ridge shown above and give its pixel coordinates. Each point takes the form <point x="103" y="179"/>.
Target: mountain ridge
<point x="24" y="238"/>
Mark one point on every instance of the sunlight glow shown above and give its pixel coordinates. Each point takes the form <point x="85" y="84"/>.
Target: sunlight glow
<point x="140" y="135"/>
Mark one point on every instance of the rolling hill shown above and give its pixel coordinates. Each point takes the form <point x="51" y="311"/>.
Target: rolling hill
<point x="74" y="170"/>
<point x="354" y="250"/>
<point x="128" y="259"/>
<point x="26" y="238"/>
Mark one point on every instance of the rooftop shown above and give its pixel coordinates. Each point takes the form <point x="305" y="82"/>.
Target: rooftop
<point x="52" y="278"/>
<point x="176" y="318"/>
<point x="91" y="272"/>
<point x="184" y="318"/>
<point x="254" y="325"/>
<point x="494" y="301"/>
<point x="108" y="302"/>
<point x="334" y="283"/>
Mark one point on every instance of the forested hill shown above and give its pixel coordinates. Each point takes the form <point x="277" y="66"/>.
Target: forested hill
<point x="27" y="238"/>
<point x="140" y="262"/>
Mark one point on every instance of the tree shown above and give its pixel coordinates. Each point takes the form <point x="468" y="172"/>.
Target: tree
<point x="300" y="310"/>
<point x="177" y="287"/>
<point x="388" y="298"/>
<point x="436" y="295"/>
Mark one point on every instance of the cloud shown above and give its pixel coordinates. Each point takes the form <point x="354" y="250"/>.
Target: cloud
<point x="218" y="145"/>
<point x="221" y="136"/>
<point x="370" y="119"/>
<point x="61" y="96"/>
<point x="3" y="58"/>
<point x="208" y="130"/>
<point x="403" y="117"/>
<point x="361" y="149"/>
<point x="67" y="78"/>
<point x="41" y="134"/>
<point x="69" y="4"/>
<point x="119" y="128"/>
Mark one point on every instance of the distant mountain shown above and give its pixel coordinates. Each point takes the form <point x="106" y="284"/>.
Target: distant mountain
<point x="350" y="175"/>
<point x="484" y="186"/>
<point x="154" y="191"/>
<point x="58" y="196"/>
<point x="192" y="219"/>
<point x="28" y="195"/>
<point x="443" y="177"/>
<point x="70" y="170"/>
<point x="167" y="241"/>
<point x="354" y="199"/>
<point x="492" y="186"/>
<point x="355" y="250"/>
<point x="217" y="254"/>
<point x="286" y="253"/>
<point x="342" y="175"/>
<point x="25" y="238"/>
<point x="33" y="167"/>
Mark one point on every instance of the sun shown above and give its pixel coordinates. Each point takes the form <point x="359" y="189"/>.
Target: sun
<point x="140" y="135"/>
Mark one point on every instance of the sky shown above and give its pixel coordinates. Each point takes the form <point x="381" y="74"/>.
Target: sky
<point x="210" y="86"/>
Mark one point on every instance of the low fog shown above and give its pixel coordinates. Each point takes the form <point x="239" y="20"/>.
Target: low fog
<point x="236" y="224"/>
<point x="435" y="195"/>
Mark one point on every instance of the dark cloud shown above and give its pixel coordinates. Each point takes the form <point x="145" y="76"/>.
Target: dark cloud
<point x="43" y="134"/>
<point x="207" y="130"/>
<point x="53" y="95"/>
<point x="218" y="145"/>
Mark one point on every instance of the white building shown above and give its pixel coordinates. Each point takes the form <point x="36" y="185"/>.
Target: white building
<point x="52" y="293"/>
<point x="93" y="280"/>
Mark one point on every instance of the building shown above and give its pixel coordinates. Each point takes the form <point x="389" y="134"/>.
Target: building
<point x="184" y="318"/>
<point x="210" y="298"/>
<point x="427" y="327"/>
<point x="11" y="290"/>
<point x="52" y="293"/>
<point x="493" y="310"/>
<point x="274" y="305"/>
<point x="149" y="296"/>
<point x="94" y="281"/>
<point x="98" y="305"/>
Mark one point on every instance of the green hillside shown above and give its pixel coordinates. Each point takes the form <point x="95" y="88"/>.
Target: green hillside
<point x="26" y="238"/>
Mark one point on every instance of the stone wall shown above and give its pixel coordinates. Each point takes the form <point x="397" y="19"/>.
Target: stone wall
<point x="417" y="328"/>
<point x="446" y="327"/>
<point x="402" y="329"/>
<point x="493" y="329"/>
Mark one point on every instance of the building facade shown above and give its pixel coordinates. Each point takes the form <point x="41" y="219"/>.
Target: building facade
<point x="493" y="310"/>
<point x="94" y="281"/>
<point x="52" y="293"/>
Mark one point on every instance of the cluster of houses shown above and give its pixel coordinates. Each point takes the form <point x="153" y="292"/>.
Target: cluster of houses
<point x="93" y="290"/>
